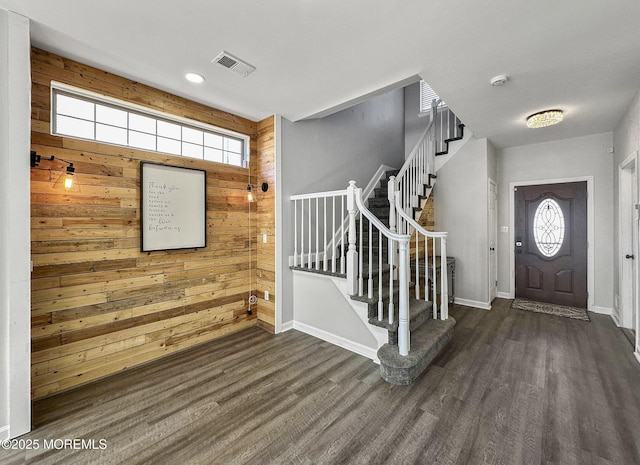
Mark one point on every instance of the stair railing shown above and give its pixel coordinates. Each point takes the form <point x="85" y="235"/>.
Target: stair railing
<point x="447" y="128"/>
<point x="320" y="227"/>
<point x="356" y="206"/>
<point x="419" y="168"/>
<point x="317" y="219"/>
<point x="438" y="242"/>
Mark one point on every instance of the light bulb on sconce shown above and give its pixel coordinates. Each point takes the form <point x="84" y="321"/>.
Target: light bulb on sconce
<point x="250" y="198"/>
<point x="68" y="177"/>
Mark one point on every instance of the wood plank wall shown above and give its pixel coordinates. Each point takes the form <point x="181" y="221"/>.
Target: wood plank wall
<point x="99" y="305"/>
<point x="266" y="224"/>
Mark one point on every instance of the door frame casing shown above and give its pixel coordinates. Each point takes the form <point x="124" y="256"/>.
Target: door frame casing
<point x="492" y="234"/>
<point x="590" y="231"/>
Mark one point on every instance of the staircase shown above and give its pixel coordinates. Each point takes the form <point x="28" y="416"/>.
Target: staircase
<point x="370" y="248"/>
<point x="428" y="335"/>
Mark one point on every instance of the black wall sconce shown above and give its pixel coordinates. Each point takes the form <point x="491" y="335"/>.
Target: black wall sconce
<point x="264" y="187"/>
<point x="68" y="179"/>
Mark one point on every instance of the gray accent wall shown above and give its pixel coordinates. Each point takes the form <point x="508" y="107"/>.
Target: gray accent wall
<point x="567" y="158"/>
<point x="414" y="124"/>
<point x="325" y="154"/>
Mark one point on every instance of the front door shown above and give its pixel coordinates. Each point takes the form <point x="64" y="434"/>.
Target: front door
<point x="551" y="243"/>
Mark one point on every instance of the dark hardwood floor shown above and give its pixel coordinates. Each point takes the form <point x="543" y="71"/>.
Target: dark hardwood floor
<point x="511" y="388"/>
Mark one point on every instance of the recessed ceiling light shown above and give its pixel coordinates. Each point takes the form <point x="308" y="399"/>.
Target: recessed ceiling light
<point x="195" y="78"/>
<point x="545" y="118"/>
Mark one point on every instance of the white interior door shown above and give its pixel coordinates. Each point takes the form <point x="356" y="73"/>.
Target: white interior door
<point x="628" y="242"/>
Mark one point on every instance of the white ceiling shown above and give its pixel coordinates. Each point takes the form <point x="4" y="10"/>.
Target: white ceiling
<point x="312" y="56"/>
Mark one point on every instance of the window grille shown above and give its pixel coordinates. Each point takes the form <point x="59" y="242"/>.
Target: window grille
<point x="82" y="114"/>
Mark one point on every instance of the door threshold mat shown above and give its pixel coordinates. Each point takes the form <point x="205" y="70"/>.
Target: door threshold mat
<point x="551" y="309"/>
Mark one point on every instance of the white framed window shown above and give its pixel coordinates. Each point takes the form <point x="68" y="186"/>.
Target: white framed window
<point x="86" y="115"/>
<point x="427" y="95"/>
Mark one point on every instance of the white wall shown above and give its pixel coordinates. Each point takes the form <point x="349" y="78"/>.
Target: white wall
<point x="568" y="158"/>
<point x="15" y="117"/>
<point x="322" y="310"/>
<point x="461" y="210"/>
<point x="325" y="154"/>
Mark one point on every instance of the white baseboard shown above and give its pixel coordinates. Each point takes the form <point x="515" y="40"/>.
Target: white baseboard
<point x="286" y="326"/>
<point x="473" y="303"/>
<point x="616" y="319"/>
<point x="4" y="433"/>
<point x="602" y="310"/>
<point x="337" y="340"/>
<point x="504" y="295"/>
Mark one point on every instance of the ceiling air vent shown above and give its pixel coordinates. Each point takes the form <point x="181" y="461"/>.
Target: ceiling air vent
<point x="234" y="64"/>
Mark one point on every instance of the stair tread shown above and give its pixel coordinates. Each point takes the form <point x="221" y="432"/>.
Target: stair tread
<point x="416" y="310"/>
<point x="426" y="343"/>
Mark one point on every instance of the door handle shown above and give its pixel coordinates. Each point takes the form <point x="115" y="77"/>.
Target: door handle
<point x="629" y="256"/>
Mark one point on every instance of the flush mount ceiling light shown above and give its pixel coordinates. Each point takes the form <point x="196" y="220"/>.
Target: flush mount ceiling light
<point x="544" y="118"/>
<point x="195" y="78"/>
<point x="499" y="80"/>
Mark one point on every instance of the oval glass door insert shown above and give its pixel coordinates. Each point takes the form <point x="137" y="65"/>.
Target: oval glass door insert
<point x="548" y="227"/>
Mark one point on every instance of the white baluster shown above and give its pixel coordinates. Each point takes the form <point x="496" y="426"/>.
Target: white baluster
<point x="324" y="236"/>
<point x="302" y="233"/>
<point x="317" y="235"/>
<point x="391" y="305"/>
<point x="343" y="247"/>
<point x="360" y="241"/>
<point x="444" y="294"/>
<point x="310" y="258"/>
<point x="418" y="266"/>
<point x="434" y="283"/>
<point x="352" y="254"/>
<point x="295" y="233"/>
<point x="426" y="267"/>
<point x="403" y="317"/>
<point x="333" y="242"/>
<point x="370" y="281"/>
<point x="380" y="303"/>
<point x="391" y="186"/>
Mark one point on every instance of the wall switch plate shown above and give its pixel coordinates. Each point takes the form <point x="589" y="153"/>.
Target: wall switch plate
<point x="266" y="295"/>
<point x="264" y="238"/>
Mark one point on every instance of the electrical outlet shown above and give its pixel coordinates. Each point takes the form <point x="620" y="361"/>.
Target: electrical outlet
<point x="264" y="238"/>
<point x="266" y="295"/>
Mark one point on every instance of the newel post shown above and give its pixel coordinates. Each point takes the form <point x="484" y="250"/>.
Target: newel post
<point x="352" y="254"/>
<point x="403" y="299"/>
